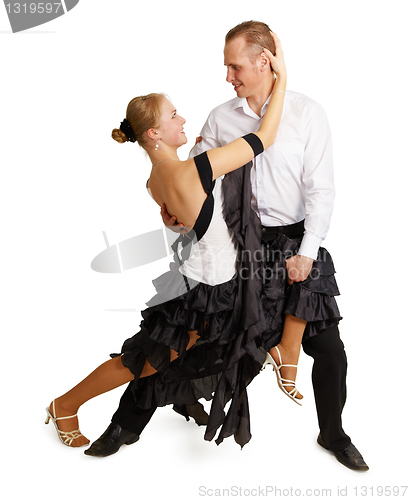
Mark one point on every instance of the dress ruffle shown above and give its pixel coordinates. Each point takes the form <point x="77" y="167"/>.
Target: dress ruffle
<point x="312" y="299"/>
<point x="229" y="320"/>
<point x="237" y="321"/>
<point x="222" y="362"/>
<point x="206" y="309"/>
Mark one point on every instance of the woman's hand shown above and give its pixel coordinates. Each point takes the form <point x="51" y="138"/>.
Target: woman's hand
<point x="277" y="61"/>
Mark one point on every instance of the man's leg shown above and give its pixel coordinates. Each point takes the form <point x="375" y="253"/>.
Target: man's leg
<point x="129" y="416"/>
<point x="126" y="426"/>
<point x="129" y="421"/>
<point x="329" y="383"/>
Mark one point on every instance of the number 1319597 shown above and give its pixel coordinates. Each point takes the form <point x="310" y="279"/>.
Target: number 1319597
<point x="34" y="8"/>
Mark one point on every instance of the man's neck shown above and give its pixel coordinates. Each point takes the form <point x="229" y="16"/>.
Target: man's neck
<point x="256" y="101"/>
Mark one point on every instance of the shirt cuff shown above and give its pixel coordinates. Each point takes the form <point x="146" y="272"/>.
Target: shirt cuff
<point x="310" y="245"/>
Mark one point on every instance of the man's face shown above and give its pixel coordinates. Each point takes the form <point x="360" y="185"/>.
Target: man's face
<point x="242" y="73"/>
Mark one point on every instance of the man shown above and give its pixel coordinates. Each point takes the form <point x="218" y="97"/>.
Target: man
<point x="292" y="185"/>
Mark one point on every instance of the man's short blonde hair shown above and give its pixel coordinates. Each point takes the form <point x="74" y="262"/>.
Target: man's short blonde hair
<point x="257" y="36"/>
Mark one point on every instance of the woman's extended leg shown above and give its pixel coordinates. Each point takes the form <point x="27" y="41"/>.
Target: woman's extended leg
<point x="106" y="377"/>
<point x="289" y="347"/>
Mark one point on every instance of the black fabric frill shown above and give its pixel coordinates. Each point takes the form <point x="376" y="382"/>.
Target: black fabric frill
<point x="229" y="320"/>
<point x="312" y="299"/>
<point x="237" y="321"/>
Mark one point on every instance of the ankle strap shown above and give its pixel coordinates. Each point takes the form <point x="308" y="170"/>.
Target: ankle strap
<point x="54" y="416"/>
<point x="281" y="361"/>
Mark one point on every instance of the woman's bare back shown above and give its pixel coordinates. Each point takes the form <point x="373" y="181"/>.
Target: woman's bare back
<point x="177" y="184"/>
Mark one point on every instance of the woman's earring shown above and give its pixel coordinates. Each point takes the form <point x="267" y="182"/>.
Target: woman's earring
<point x="157" y="146"/>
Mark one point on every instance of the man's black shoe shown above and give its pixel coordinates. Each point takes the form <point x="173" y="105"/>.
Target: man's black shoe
<point x="110" y="441"/>
<point x="350" y="457"/>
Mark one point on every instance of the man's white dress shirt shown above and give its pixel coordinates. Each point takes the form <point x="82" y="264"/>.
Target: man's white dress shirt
<point x="293" y="179"/>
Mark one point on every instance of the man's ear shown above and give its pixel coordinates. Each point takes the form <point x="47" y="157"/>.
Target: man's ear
<point x="264" y="63"/>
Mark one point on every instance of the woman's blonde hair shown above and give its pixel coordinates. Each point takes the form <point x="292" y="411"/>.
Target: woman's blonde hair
<point x="142" y="113"/>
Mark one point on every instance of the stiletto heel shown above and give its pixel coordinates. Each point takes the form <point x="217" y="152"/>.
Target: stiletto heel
<point x="282" y="382"/>
<point x="65" y="437"/>
<point x="268" y="361"/>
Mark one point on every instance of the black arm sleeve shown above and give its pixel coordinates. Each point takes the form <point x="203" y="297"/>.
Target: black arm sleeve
<point x="205" y="171"/>
<point x="255" y="143"/>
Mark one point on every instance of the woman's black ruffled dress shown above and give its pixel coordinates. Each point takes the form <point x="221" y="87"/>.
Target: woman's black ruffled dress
<point x="237" y="321"/>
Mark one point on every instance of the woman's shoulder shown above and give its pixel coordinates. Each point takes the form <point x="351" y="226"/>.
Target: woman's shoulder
<point x="176" y="175"/>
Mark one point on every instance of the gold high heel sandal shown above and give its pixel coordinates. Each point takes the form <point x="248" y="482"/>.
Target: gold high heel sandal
<point x="65" y="437"/>
<point x="282" y="382"/>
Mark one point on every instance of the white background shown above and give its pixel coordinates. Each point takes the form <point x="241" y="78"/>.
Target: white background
<point x="64" y="86"/>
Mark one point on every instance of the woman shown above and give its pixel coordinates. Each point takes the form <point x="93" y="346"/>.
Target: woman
<point x="204" y="307"/>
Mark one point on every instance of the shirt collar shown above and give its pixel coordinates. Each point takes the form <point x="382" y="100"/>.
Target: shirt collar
<point x="241" y="102"/>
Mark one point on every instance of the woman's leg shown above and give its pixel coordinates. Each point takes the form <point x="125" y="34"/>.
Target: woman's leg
<point x="290" y="346"/>
<point x="106" y="377"/>
<point x="148" y="368"/>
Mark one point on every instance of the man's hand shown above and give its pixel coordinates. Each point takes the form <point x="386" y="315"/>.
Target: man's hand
<point x="298" y="268"/>
<point x="198" y="139"/>
<point x="171" y="222"/>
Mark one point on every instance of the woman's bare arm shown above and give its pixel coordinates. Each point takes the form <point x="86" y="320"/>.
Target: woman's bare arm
<point x="237" y="153"/>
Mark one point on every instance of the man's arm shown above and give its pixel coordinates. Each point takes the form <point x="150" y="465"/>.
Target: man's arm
<point x="208" y="139"/>
<point x="318" y="179"/>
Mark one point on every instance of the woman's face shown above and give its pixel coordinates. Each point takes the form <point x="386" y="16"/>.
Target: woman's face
<point x="171" y="127"/>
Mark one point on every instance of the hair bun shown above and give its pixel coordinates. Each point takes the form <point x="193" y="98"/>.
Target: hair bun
<point x="142" y="113"/>
<point x="119" y="136"/>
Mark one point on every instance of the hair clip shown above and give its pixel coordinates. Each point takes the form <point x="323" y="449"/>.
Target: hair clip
<point x="127" y="130"/>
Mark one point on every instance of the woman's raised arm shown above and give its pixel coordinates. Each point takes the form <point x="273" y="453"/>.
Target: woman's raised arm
<point x="239" y="152"/>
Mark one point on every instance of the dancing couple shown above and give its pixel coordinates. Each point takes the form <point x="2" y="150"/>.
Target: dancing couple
<point x="260" y="180"/>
